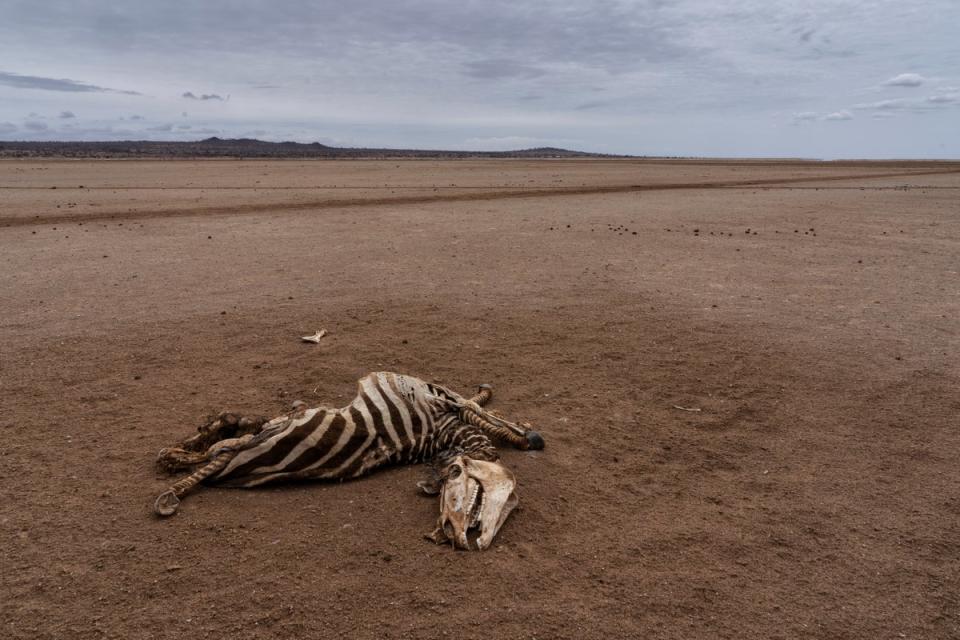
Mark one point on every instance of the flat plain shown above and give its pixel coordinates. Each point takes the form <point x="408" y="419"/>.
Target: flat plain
<point x="746" y="374"/>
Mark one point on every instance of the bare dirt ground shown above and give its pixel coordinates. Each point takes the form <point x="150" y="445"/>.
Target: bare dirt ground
<point x="808" y="310"/>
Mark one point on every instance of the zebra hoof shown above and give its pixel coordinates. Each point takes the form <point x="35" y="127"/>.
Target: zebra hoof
<point x="534" y="441"/>
<point x="166" y="504"/>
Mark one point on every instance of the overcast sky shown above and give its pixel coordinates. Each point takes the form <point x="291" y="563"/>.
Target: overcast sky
<point x="810" y="78"/>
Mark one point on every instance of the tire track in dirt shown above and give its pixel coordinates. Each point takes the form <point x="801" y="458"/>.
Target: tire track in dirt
<point x="329" y="203"/>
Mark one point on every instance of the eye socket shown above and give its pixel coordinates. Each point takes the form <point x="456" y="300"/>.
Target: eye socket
<point x="455" y="471"/>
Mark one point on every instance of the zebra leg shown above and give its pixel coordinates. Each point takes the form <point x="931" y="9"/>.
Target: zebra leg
<point x="484" y="394"/>
<point x="219" y="455"/>
<point x="194" y="450"/>
<point x="231" y="433"/>
<point x="174" y="459"/>
<point x="215" y="428"/>
<point x="225" y="425"/>
<point x="520" y="435"/>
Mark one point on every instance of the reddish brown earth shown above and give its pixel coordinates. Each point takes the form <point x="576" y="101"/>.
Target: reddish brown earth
<point x="814" y="495"/>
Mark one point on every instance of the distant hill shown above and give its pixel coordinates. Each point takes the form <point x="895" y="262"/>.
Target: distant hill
<point x="251" y="148"/>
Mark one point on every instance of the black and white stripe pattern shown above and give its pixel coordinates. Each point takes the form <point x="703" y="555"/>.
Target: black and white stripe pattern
<point x="395" y="419"/>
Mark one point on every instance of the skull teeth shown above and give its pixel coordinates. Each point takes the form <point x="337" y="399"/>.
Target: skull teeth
<point x="475" y="519"/>
<point x="473" y="499"/>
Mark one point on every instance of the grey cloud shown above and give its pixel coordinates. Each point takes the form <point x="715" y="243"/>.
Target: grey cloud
<point x="805" y="116"/>
<point x="916" y="105"/>
<point x="190" y="95"/>
<point x="499" y="69"/>
<point x="608" y="35"/>
<point x="886" y="105"/>
<point x="7" y="127"/>
<point x="65" y="115"/>
<point x="813" y="116"/>
<point x="839" y="115"/>
<point x="136" y="117"/>
<point x="35" y="125"/>
<point x="812" y="41"/>
<point x="161" y="127"/>
<point x="105" y="132"/>
<point x="823" y="52"/>
<point x="586" y="106"/>
<point x="904" y="80"/>
<point x="54" y="84"/>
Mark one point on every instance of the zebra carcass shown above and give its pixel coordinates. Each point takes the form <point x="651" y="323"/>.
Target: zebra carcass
<point x="394" y="419"/>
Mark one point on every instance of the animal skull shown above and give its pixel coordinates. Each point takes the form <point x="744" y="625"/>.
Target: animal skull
<point x="475" y="498"/>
